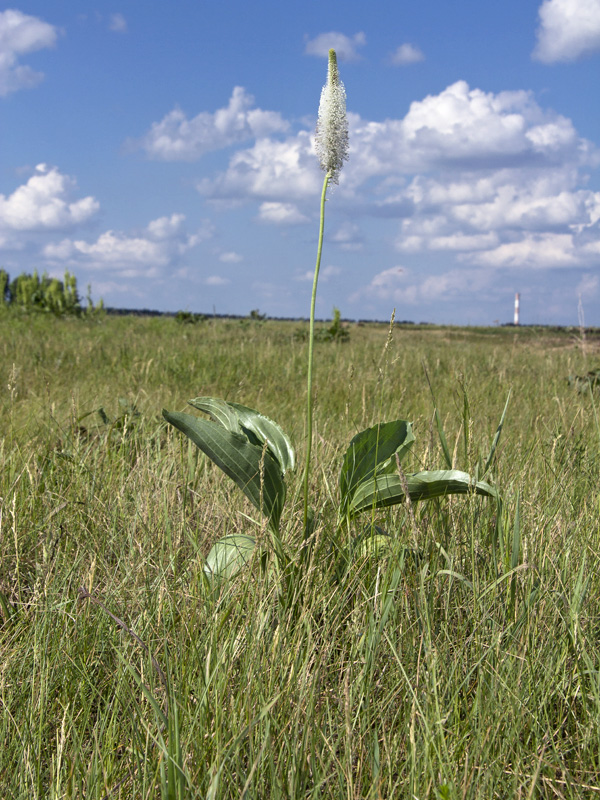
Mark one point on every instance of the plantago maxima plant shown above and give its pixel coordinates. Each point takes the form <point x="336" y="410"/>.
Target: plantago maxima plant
<point x="256" y="453"/>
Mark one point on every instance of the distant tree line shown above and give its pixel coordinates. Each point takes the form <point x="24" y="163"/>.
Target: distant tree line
<point x="51" y="295"/>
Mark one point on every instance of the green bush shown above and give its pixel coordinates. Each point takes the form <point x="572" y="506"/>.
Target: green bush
<point x="335" y="332"/>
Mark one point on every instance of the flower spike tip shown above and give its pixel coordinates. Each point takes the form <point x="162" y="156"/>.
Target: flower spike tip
<point x="331" y="141"/>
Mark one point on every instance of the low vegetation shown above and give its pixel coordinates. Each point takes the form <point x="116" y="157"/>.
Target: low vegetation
<point x="458" y="661"/>
<point x="32" y="293"/>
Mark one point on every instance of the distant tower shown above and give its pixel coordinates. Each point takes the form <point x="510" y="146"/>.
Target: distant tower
<point x="517" y="308"/>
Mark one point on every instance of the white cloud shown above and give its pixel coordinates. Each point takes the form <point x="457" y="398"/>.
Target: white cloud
<point x="43" y="203"/>
<point x="216" y="280"/>
<point x="21" y="34"/>
<point x="166" y="227"/>
<point x="568" y="29"/>
<point x="348" y="236"/>
<point x="281" y="213"/>
<point x="389" y="286"/>
<point x="459" y="129"/>
<point x="463" y="242"/>
<point x="385" y="282"/>
<point x="399" y="287"/>
<point x="538" y="250"/>
<point x="509" y="215"/>
<point x="117" y="23"/>
<point x="462" y="131"/>
<point x="270" y="170"/>
<point x="346" y="47"/>
<point x="177" y="138"/>
<point x="330" y="271"/>
<point x="325" y="274"/>
<point x="487" y="177"/>
<point x="470" y="126"/>
<point x="588" y="286"/>
<point x="529" y="208"/>
<point x="146" y="253"/>
<point x="132" y="256"/>
<point x="230" y="257"/>
<point x="406" y="54"/>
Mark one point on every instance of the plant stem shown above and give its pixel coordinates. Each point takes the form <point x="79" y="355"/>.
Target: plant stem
<point x="311" y="339"/>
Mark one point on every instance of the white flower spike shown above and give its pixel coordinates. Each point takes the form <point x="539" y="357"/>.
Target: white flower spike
<point x="331" y="142"/>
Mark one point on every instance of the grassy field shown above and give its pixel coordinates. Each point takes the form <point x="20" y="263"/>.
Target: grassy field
<point x="463" y="663"/>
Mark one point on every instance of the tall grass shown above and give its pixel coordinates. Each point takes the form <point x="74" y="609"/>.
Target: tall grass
<point x="463" y="665"/>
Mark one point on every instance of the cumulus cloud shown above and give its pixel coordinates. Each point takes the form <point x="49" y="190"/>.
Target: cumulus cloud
<point x="509" y="214"/>
<point x="177" y="138"/>
<point x="146" y="253"/>
<point x="21" y="34"/>
<point x="117" y="23"/>
<point x="346" y="47"/>
<point x="277" y="213"/>
<point x="490" y="178"/>
<point x="568" y="29"/>
<point x="43" y="203"/>
<point x="325" y="274"/>
<point x="406" y="54"/>
<point x="470" y="126"/>
<point x="545" y="250"/>
<point x="271" y="170"/>
<point x="588" y="285"/>
<point x="216" y="280"/>
<point x="401" y="287"/>
<point x="348" y="236"/>
<point x="230" y="257"/>
<point x="530" y="208"/>
<point x="463" y="242"/>
<point x="389" y="285"/>
<point x="459" y="129"/>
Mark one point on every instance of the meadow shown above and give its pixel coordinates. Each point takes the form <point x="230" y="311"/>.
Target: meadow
<point x="460" y="662"/>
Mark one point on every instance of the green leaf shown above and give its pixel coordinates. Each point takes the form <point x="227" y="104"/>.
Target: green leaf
<point x="258" y="428"/>
<point x="372" y="452"/>
<point x="386" y="490"/>
<point x="240" y="459"/>
<point x="228" y="556"/>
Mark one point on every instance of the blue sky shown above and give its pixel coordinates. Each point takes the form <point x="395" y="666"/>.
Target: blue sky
<point x="164" y="154"/>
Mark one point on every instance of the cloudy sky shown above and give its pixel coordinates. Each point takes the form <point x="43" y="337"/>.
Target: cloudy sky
<point x="164" y="154"/>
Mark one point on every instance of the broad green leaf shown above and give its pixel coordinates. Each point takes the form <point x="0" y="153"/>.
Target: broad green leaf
<point x="229" y="555"/>
<point x="240" y="419"/>
<point x="372" y="452"/>
<point x="386" y="490"/>
<point x="240" y="459"/>
<point x="219" y="411"/>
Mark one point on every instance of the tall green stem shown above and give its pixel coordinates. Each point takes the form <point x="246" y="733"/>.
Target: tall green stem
<point x="311" y="339"/>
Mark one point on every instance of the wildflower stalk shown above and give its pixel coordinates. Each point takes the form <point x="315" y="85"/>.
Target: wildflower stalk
<point x="256" y="453"/>
<point x="331" y="144"/>
<point x="311" y="342"/>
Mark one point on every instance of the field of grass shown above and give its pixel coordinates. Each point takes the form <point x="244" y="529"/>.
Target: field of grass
<point x="462" y="663"/>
